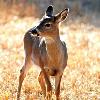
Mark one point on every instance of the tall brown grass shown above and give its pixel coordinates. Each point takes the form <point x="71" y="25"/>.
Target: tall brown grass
<point x="81" y="78"/>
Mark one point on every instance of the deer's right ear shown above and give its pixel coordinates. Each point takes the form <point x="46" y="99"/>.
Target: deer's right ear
<point x="49" y="11"/>
<point x="62" y="15"/>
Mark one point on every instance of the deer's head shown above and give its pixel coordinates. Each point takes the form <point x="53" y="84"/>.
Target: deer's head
<point x="49" y="24"/>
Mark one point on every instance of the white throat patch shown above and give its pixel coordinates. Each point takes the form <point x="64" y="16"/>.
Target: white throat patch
<point x="48" y="39"/>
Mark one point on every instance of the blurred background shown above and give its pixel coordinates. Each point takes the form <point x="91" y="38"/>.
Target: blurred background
<point x="80" y="31"/>
<point x="78" y="8"/>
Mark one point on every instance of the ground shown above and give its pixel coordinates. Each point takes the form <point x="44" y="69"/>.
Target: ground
<point x="81" y="78"/>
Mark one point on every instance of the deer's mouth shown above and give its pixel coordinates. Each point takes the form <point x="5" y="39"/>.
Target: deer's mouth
<point x="38" y="32"/>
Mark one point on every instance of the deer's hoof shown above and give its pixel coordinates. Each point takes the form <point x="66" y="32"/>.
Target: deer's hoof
<point x="18" y="96"/>
<point x="49" y="95"/>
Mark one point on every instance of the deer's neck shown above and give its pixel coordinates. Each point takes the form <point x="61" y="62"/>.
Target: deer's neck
<point x="54" y="47"/>
<point x="52" y="41"/>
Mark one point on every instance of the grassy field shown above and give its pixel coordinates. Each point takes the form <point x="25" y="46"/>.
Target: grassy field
<point x="81" y="78"/>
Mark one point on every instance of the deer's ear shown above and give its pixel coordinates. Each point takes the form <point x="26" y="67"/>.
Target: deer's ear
<point x="49" y="11"/>
<point x="61" y="16"/>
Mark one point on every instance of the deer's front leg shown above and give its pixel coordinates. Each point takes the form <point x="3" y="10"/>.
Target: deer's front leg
<point x="43" y="80"/>
<point x="48" y="84"/>
<point x="57" y="85"/>
<point x="47" y="80"/>
<point x="42" y="83"/>
<point x="23" y="72"/>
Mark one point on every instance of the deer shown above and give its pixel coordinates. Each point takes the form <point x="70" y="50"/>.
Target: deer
<point x="43" y="46"/>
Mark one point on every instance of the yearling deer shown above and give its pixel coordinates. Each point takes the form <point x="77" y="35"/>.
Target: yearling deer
<point x="43" y="46"/>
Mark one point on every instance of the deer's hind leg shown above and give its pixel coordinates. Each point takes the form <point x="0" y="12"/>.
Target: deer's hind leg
<point x="23" y="73"/>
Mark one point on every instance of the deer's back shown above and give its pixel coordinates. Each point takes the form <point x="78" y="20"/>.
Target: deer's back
<point x="35" y="47"/>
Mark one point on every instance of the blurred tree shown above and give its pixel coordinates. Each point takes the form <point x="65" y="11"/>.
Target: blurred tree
<point x="76" y="6"/>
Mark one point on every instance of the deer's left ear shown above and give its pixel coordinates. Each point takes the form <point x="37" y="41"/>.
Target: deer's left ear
<point x="61" y="16"/>
<point x="49" y="11"/>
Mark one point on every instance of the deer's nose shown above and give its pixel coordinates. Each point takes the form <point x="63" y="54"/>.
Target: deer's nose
<point x="34" y="31"/>
<point x="37" y="30"/>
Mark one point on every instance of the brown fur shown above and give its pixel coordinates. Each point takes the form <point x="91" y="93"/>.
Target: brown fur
<point x="49" y="53"/>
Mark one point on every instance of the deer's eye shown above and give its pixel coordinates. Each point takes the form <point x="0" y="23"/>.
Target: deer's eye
<point x="48" y="25"/>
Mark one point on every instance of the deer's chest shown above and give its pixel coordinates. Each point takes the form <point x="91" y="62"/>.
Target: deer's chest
<point x="54" y="55"/>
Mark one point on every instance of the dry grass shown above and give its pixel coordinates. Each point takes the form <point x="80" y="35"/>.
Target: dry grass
<point x="81" y="79"/>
